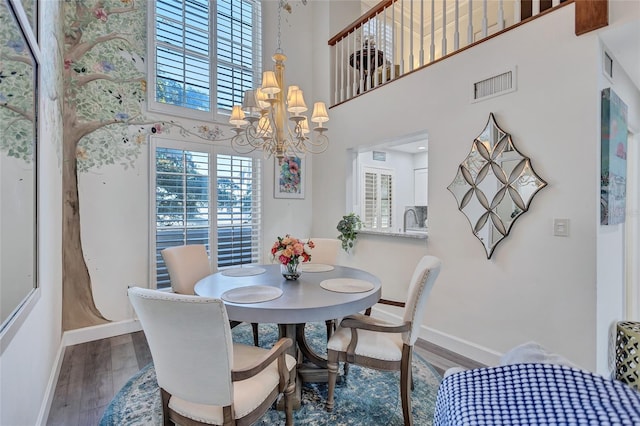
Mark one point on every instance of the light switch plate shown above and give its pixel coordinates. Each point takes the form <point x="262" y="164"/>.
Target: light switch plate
<point x="561" y="227"/>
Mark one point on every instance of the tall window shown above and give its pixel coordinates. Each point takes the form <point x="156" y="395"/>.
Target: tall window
<point x="183" y="210"/>
<point x="377" y="193"/>
<point x="193" y="37"/>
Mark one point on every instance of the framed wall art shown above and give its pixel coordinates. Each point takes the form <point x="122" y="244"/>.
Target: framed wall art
<point x="613" y="160"/>
<point x="289" y="177"/>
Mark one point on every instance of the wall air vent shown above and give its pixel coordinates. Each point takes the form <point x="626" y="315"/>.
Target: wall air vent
<point x="379" y="156"/>
<point x="494" y="86"/>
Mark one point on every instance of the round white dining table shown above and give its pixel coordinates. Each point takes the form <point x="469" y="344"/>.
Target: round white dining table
<point x="299" y="301"/>
<point x="302" y="300"/>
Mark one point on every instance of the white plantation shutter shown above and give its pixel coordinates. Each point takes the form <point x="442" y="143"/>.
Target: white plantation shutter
<point x="206" y="54"/>
<point x="238" y="210"/>
<point x="378" y="198"/>
<point x="189" y="181"/>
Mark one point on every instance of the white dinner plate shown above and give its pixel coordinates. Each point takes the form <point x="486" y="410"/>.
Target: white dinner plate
<point x="346" y="285"/>
<point x="246" y="271"/>
<point x="252" y="294"/>
<point x="316" y="267"/>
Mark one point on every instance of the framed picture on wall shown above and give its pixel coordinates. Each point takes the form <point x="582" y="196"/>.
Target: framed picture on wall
<point x="289" y="177"/>
<point x="613" y="159"/>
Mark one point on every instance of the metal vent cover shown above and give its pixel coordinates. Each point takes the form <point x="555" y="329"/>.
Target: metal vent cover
<point x="494" y="86"/>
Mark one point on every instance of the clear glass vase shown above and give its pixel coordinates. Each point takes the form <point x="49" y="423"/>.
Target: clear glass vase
<point x="290" y="271"/>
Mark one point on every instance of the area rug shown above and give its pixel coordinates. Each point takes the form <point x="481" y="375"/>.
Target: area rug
<point x="366" y="398"/>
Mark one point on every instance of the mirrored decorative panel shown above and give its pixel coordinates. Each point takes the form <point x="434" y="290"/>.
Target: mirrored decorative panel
<point x="494" y="185"/>
<point x="18" y="154"/>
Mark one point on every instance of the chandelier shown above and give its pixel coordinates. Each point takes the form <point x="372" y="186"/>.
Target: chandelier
<point x="278" y="126"/>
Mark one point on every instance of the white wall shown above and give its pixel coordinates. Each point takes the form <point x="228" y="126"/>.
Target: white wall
<point x="536" y="286"/>
<point x="27" y="364"/>
<point x="611" y="290"/>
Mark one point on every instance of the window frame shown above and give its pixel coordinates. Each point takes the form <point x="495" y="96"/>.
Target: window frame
<point x="213" y="151"/>
<point x="214" y="114"/>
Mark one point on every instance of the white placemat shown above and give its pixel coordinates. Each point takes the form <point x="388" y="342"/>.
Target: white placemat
<point x="252" y="294"/>
<point x="243" y="272"/>
<point x="316" y="267"/>
<point x="346" y="285"/>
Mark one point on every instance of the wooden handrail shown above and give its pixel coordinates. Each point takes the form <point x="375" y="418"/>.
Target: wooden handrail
<point x="364" y="18"/>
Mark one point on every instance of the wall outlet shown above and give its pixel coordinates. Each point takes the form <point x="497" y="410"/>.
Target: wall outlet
<point x="561" y="227"/>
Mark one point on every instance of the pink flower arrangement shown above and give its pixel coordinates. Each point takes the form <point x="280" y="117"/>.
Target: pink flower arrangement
<point x="290" y="250"/>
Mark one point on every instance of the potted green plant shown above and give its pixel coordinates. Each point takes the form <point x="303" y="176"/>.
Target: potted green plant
<point x="349" y="227"/>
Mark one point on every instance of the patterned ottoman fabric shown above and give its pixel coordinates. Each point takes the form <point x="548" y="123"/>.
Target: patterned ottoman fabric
<point x="534" y="394"/>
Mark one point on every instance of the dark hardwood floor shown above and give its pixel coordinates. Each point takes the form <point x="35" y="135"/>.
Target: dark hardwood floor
<point x="92" y="374"/>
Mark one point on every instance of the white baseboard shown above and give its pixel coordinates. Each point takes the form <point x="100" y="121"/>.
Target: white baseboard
<point x="102" y="331"/>
<point x="454" y="344"/>
<point x="50" y="390"/>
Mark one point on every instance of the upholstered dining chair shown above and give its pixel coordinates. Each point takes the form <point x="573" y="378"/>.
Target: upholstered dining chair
<point x="325" y="250"/>
<point x="369" y="342"/>
<point x="204" y="377"/>
<point x="187" y="265"/>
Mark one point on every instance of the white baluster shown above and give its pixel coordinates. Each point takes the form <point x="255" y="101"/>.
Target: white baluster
<point x="485" y="25"/>
<point x="444" y="28"/>
<point x="421" y="32"/>
<point x="383" y="37"/>
<point x="336" y="97"/>
<point x="402" y="37"/>
<point x="394" y="35"/>
<point x="411" y="36"/>
<point x="432" y="52"/>
<point x="517" y="11"/>
<point x="535" y="7"/>
<point x="501" y="15"/>
<point x="456" y="34"/>
<point x="470" y="24"/>
<point x="555" y="3"/>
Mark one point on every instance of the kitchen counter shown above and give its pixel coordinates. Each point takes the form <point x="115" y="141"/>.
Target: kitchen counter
<point x="417" y="233"/>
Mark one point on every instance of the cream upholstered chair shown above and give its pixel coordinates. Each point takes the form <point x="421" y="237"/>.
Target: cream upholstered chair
<point x="187" y="265"/>
<point x="204" y="377"/>
<point x="325" y="250"/>
<point x="373" y="343"/>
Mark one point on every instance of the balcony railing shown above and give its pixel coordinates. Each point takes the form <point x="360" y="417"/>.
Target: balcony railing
<point x="400" y="36"/>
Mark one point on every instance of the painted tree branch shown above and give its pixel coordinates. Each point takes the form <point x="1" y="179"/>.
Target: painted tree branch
<point x="17" y="58"/>
<point x="27" y="115"/>
<point x="84" y="79"/>
<point x="81" y="49"/>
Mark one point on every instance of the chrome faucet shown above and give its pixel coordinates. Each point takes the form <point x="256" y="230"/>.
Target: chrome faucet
<point x="404" y="219"/>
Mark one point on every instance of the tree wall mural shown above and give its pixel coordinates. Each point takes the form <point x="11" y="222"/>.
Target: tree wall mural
<point x="104" y="75"/>
<point x="104" y="88"/>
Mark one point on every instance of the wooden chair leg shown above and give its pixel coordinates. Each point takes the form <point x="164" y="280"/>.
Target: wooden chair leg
<point x="254" y="326"/>
<point x="164" y="395"/>
<point x="405" y="385"/>
<point x="332" y="366"/>
<point x="330" y="327"/>
<point x="288" y="402"/>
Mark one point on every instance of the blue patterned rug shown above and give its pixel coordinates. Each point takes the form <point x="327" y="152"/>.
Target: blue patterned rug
<point x="366" y="398"/>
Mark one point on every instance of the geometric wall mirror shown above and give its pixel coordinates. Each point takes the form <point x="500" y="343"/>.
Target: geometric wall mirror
<point x="494" y="185"/>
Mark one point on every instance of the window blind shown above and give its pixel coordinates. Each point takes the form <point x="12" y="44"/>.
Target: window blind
<point x="201" y="46"/>
<point x="378" y="198"/>
<point x="238" y="210"/>
<point x="182" y="202"/>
